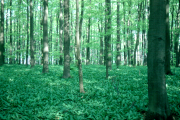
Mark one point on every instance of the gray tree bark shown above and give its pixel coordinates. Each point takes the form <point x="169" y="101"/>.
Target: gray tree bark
<point x="158" y="107"/>
<point x="66" y="72"/>
<point x="45" y="38"/>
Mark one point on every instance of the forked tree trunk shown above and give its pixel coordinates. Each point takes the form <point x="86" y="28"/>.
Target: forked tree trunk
<point x="158" y="107"/>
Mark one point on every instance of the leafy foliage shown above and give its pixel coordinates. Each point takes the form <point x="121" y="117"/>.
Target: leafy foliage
<point x="28" y="94"/>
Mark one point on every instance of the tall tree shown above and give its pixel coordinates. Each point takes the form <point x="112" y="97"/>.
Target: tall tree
<point x="88" y="40"/>
<point x="11" y="47"/>
<point x="27" y="47"/>
<point x="167" y="46"/>
<point x="108" y="36"/>
<point x="66" y="71"/>
<point x="31" y="35"/>
<point x="118" y="45"/>
<point x="61" y="33"/>
<point x="137" y="39"/>
<point x="158" y="107"/>
<point x="45" y="38"/>
<point x="78" y="42"/>
<point x="2" y="50"/>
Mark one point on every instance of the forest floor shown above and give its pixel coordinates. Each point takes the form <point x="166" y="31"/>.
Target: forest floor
<point x="28" y="94"/>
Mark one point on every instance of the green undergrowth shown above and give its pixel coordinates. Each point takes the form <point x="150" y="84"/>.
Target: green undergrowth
<point x="28" y="94"/>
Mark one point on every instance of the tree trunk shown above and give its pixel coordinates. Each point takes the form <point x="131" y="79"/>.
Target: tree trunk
<point x="45" y="38"/>
<point x="27" y="47"/>
<point x="66" y="72"/>
<point x="31" y="35"/>
<point x="2" y="50"/>
<point x="108" y="36"/>
<point x="11" y="47"/>
<point x="137" y="40"/>
<point x="78" y="41"/>
<point x="167" y="42"/>
<point x="61" y="33"/>
<point x="118" y="45"/>
<point x="158" y="107"/>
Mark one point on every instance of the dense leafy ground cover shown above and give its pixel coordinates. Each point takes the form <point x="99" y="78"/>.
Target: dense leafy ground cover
<point x="28" y="94"/>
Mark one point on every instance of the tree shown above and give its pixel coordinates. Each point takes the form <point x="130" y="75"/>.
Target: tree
<point x="61" y="33"/>
<point x="78" y="42"/>
<point x="2" y="50"/>
<point x="88" y="40"/>
<point x="66" y="71"/>
<point x="45" y="38"/>
<point x="31" y="35"/>
<point x="167" y="42"/>
<point x="27" y="47"/>
<point x="158" y="107"/>
<point x="108" y="35"/>
<point x="118" y="46"/>
<point x="10" y="59"/>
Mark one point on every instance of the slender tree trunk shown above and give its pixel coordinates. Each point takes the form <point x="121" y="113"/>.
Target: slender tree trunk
<point x="78" y="41"/>
<point x="108" y="36"/>
<point x="45" y="38"/>
<point x="2" y="50"/>
<point x="125" y="50"/>
<point x="172" y="21"/>
<point x="137" y="40"/>
<point x="61" y="33"/>
<point x="7" y="25"/>
<point x="101" y="44"/>
<point x="66" y="72"/>
<point x="31" y="35"/>
<point x="88" y="40"/>
<point x="11" y="47"/>
<point x="27" y="47"/>
<point x="167" y="46"/>
<point x="158" y="107"/>
<point x="118" y="45"/>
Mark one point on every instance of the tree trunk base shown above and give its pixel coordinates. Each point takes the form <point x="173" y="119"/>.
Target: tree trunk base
<point x="156" y="116"/>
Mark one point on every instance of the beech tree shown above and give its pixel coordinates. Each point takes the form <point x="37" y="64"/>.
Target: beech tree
<point x="158" y="107"/>
<point x="2" y="49"/>
<point x="31" y="35"/>
<point x="78" y="42"/>
<point x="66" y="71"/>
<point x="45" y="38"/>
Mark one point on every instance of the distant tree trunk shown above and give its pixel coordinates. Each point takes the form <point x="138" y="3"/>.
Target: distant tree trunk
<point x="27" y="47"/>
<point x="167" y="46"/>
<point x="61" y="33"/>
<point x="125" y="50"/>
<point x="137" y="40"/>
<point x="50" y="39"/>
<point x="57" y="28"/>
<point x="101" y="43"/>
<point x="7" y="26"/>
<point x="31" y="35"/>
<point x="2" y="50"/>
<point x="108" y="36"/>
<point x="118" y="45"/>
<point x="11" y="47"/>
<point x="45" y="38"/>
<point x="176" y="39"/>
<point x="78" y="41"/>
<point x="158" y="107"/>
<point x="172" y="21"/>
<point x="66" y="72"/>
<point x="88" y="40"/>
